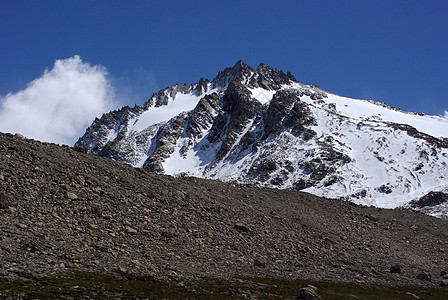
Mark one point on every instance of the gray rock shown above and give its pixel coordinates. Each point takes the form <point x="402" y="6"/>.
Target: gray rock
<point x="72" y="196"/>
<point x="80" y="148"/>
<point x="131" y="230"/>
<point x="373" y="218"/>
<point x="309" y="292"/>
<point x="168" y="234"/>
<point x="4" y="201"/>
<point x="412" y="295"/>
<point x="20" y="136"/>
<point x="423" y="275"/>
<point x="395" y="269"/>
<point x="443" y="283"/>
<point x="430" y="199"/>
<point x="260" y="263"/>
<point x="241" y="227"/>
<point x="22" y="226"/>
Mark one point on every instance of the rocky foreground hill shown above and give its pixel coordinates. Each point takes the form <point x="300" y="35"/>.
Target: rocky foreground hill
<point x="62" y="210"/>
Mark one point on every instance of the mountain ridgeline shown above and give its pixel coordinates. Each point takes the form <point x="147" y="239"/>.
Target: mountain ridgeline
<point x="261" y="126"/>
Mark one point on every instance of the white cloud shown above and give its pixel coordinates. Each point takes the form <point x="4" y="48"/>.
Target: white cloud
<point x="61" y="104"/>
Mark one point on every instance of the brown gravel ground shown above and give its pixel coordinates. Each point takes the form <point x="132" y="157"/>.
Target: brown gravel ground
<point x="62" y="210"/>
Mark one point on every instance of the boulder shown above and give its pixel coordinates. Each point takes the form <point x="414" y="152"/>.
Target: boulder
<point x="395" y="269"/>
<point x="309" y="292"/>
<point x="424" y="275"/>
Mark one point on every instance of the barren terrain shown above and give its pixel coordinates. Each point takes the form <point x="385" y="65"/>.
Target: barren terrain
<point x="63" y="211"/>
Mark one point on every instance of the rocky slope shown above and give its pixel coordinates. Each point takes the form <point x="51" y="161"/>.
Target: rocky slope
<point x="62" y="210"/>
<point x="261" y="126"/>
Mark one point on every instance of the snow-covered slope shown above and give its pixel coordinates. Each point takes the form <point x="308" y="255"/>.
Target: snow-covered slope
<point x="264" y="127"/>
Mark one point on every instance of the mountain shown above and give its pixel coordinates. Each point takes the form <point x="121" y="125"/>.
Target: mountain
<point x="261" y="126"/>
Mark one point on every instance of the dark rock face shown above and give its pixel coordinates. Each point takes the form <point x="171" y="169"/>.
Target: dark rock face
<point x="166" y="137"/>
<point x="237" y="73"/>
<point x="161" y="97"/>
<point x="202" y="117"/>
<point x="440" y="143"/>
<point x="238" y="109"/>
<point x="99" y="130"/>
<point x="430" y="199"/>
<point x="285" y="111"/>
<point x="269" y="78"/>
<point x="385" y="189"/>
<point x="266" y="77"/>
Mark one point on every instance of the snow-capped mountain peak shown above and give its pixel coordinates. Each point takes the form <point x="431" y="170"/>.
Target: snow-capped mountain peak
<point x="262" y="126"/>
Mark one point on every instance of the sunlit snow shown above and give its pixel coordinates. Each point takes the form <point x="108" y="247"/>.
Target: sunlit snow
<point x="154" y="115"/>
<point x="364" y="110"/>
<point x="262" y="95"/>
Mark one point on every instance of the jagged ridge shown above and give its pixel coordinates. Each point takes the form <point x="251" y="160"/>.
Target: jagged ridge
<point x="263" y="126"/>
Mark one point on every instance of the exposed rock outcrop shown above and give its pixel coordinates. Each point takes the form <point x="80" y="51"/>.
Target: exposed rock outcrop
<point x="261" y="126"/>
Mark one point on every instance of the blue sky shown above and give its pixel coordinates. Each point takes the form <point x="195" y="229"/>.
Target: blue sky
<point x="389" y="51"/>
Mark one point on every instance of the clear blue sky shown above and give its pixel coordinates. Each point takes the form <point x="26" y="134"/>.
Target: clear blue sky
<point x="391" y="51"/>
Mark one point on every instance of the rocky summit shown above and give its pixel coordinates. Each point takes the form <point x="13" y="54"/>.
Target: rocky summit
<point x="62" y="210"/>
<point x="261" y="126"/>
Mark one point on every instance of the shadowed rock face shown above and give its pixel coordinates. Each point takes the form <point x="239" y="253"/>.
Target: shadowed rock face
<point x="430" y="199"/>
<point x="287" y="112"/>
<point x="64" y="211"/>
<point x="261" y="126"/>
